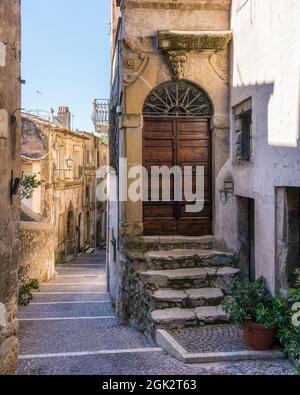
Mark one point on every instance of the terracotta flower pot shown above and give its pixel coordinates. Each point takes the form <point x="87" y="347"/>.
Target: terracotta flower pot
<point x="258" y="337"/>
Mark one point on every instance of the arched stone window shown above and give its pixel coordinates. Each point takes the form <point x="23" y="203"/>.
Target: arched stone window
<point x="178" y="99"/>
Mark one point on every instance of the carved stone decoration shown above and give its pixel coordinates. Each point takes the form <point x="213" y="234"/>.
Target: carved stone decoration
<point x="177" y="44"/>
<point x="140" y="44"/>
<point x="190" y="41"/>
<point x="16" y="53"/>
<point x="220" y="65"/>
<point x="136" y="58"/>
<point x="178" y="61"/>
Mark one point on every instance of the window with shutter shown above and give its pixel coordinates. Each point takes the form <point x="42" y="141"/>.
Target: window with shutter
<point x="246" y="136"/>
<point x="243" y="132"/>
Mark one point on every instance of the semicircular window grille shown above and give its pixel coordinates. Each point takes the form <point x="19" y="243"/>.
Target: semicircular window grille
<point x="177" y="99"/>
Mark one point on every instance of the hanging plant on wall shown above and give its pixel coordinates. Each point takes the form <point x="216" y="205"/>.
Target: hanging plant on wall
<point x="28" y="185"/>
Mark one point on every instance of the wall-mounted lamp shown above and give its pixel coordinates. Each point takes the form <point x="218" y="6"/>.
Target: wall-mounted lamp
<point x="69" y="163"/>
<point x="14" y="186"/>
<point x="23" y="82"/>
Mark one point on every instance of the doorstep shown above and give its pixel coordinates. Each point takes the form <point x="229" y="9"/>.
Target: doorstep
<point x="209" y="344"/>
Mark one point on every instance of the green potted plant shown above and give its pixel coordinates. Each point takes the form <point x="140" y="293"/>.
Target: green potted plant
<point x="289" y="330"/>
<point x="254" y="307"/>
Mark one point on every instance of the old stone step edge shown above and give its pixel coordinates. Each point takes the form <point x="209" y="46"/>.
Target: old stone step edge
<point x="190" y="273"/>
<point x="148" y="243"/>
<point x="171" y="346"/>
<point x="179" y="296"/>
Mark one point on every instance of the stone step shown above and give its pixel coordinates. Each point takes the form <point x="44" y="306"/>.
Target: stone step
<point x="175" y="318"/>
<point x="189" y="298"/>
<point x="188" y="258"/>
<point x="155" y="243"/>
<point x="177" y="242"/>
<point x="182" y="279"/>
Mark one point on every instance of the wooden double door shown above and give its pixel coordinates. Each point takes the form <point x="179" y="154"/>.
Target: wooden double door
<point x="177" y="142"/>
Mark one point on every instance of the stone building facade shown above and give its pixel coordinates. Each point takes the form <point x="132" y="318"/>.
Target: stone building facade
<point x="9" y="170"/>
<point x="65" y="162"/>
<point x="199" y="83"/>
<point x="170" y="89"/>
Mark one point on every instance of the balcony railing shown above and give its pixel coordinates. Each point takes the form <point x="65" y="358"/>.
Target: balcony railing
<point x="101" y="115"/>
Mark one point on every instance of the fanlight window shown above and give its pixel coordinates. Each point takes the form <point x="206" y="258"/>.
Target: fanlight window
<point x="177" y="98"/>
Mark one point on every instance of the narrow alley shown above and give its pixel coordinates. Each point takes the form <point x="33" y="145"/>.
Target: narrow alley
<point x="70" y="328"/>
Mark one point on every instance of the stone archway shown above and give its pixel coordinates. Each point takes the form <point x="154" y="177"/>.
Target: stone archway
<point x="71" y="231"/>
<point x="177" y="133"/>
<point x="88" y="227"/>
<point x="79" y="234"/>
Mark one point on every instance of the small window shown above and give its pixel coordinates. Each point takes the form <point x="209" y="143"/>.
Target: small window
<point x="88" y="159"/>
<point x="87" y="195"/>
<point x="243" y="132"/>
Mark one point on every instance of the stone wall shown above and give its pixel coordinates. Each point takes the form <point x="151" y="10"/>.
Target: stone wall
<point x="9" y="168"/>
<point x="37" y="251"/>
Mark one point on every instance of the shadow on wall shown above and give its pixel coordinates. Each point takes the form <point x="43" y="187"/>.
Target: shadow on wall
<point x="226" y="232"/>
<point x="260" y="95"/>
<point x="278" y="135"/>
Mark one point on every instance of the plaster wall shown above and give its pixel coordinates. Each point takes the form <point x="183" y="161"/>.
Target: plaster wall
<point x="265" y="66"/>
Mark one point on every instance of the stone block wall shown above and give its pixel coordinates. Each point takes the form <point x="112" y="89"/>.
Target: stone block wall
<point x="10" y="102"/>
<point x="37" y="251"/>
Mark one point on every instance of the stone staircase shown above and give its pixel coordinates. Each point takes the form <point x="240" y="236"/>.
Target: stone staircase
<point x="182" y="281"/>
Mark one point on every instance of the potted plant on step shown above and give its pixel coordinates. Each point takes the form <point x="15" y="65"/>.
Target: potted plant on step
<point x="253" y="306"/>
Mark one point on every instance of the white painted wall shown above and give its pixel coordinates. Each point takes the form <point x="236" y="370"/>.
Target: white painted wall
<point x="266" y="67"/>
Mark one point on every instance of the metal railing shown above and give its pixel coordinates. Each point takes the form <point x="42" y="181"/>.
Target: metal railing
<point x="101" y="114"/>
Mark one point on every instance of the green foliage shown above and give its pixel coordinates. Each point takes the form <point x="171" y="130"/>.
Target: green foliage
<point x="26" y="285"/>
<point x="28" y="185"/>
<point x="254" y="303"/>
<point x="25" y="295"/>
<point x="289" y="334"/>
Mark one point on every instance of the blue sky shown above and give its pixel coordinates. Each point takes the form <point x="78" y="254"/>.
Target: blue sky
<point x="65" y="55"/>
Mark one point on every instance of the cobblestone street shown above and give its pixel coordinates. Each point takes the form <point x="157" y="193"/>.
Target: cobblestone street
<point x="70" y="328"/>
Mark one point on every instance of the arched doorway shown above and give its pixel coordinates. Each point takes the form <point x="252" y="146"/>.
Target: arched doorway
<point x="70" y="243"/>
<point x="70" y="226"/>
<point x="88" y="228"/>
<point x="177" y="133"/>
<point x="79" y="234"/>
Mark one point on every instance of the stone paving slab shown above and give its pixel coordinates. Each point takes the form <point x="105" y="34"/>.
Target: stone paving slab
<point x="202" y="350"/>
<point x="79" y="265"/>
<point x="73" y="288"/>
<point x="87" y="259"/>
<point x="42" y="337"/>
<point x="77" y="279"/>
<point x="66" y="310"/>
<point x="80" y="271"/>
<point x="69" y="297"/>
<point x="211" y="338"/>
<point x="156" y="363"/>
<point x="124" y="347"/>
